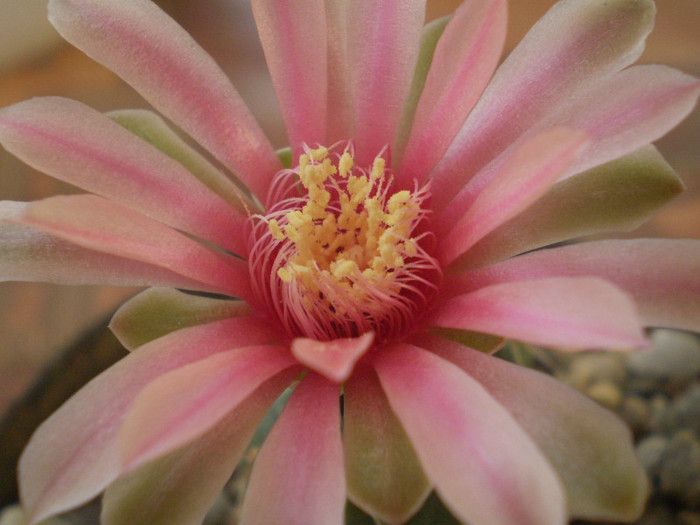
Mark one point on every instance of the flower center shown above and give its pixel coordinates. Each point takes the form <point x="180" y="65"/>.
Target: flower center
<point x="339" y="254"/>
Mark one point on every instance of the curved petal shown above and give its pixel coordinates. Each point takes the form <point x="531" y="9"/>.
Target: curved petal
<point x="340" y="111"/>
<point x="617" y="196"/>
<point x="661" y="275"/>
<point x="522" y="176"/>
<point x="179" y="488"/>
<point x="567" y="313"/>
<point x="156" y="312"/>
<point x="298" y="476"/>
<point x="575" y="43"/>
<point x="383" y="473"/>
<point x="293" y="36"/>
<point x="77" y="144"/>
<point x="98" y="224"/>
<point x="73" y="455"/>
<point x="183" y="404"/>
<point x="588" y="446"/>
<point x="333" y="359"/>
<point x="27" y="254"/>
<point x="483" y="465"/>
<point x="145" y="47"/>
<point x="464" y="60"/>
<point x="153" y="129"/>
<point x="383" y="41"/>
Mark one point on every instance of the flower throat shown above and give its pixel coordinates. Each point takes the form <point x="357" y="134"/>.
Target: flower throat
<point x="338" y="254"/>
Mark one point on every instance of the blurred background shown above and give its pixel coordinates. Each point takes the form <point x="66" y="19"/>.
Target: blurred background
<point x="37" y="321"/>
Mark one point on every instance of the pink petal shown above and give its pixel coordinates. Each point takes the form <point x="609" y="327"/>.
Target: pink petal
<point x="293" y="36"/>
<point x="615" y="197"/>
<point x="661" y="275"/>
<point x="182" y="486"/>
<point x="628" y="110"/>
<point x="567" y="313"/>
<point x="384" y="476"/>
<point x="185" y="403"/>
<point x="98" y="224"/>
<point x="589" y="447"/>
<point x="139" y="42"/>
<point x="27" y="254"/>
<point x="73" y="456"/>
<point x="156" y="312"/>
<point x="333" y="359"/>
<point x="574" y="44"/>
<point x="340" y="116"/>
<point x="298" y="476"/>
<point x="77" y="144"/>
<point x="383" y="38"/>
<point x="464" y="60"/>
<point x="519" y="179"/>
<point x="484" y="467"/>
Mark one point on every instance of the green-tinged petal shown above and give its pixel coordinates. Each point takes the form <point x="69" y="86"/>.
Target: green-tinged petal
<point x="179" y="488"/>
<point x="589" y="447"/>
<point x="487" y="343"/>
<point x="153" y="129"/>
<point x="429" y="39"/>
<point x="617" y="196"/>
<point x="383" y="473"/>
<point x="156" y="312"/>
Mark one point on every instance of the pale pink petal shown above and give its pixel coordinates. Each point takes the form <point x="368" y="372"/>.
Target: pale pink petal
<point x="156" y="312"/>
<point x="145" y="47"/>
<point x="589" y="447"/>
<point x="628" y="110"/>
<point x="661" y="275"/>
<point x="185" y="403"/>
<point x="383" y="473"/>
<point x="483" y="465"/>
<point x="293" y="36"/>
<point x="383" y="41"/>
<point x="298" y="476"/>
<point x="615" y="197"/>
<point x="519" y="179"/>
<point x="74" y="143"/>
<point x="73" y="455"/>
<point x="340" y="111"/>
<point x="181" y="487"/>
<point x="575" y="43"/>
<point x="566" y="313"/>
<point x="27" y="254"/>
<point x="333" y="359"/>
<point x="464" y="60"/>
<point x="98" y="224"/>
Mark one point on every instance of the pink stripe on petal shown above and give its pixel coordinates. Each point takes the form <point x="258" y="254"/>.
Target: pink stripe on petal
<point x="661" y="275"/>
<point x="77" y="144"/>
<point x="590" y="448"/>
<point x="144" y="46"/>
<point x="483" y="465"/>
<point x="293" y="35"/>
<point x="298" y="476"/>
<point x="98" y="224"/>
<point x="340" y="111"/>
<point x="566" y="313"/>
<point x="190" y="479"/>
<point x="333" y="359"/>
<point x="519" y="178"/>
<point x="574" y="44"/>
<point x="464" y="60"/>
<point x="383" y="42"/>
<point x="185" y="403"/>
<point x="73" y="456"/>
<point x="27" y="254"/>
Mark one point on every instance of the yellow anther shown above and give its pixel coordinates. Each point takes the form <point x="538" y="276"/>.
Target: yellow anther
<point x="345" y="164"/>
<point x="284" y="275"/>
<point x="319" y="153"/>
<point x="378" y="168"/>
<point x="343" y="268"/>
<point x="275" y="230"/>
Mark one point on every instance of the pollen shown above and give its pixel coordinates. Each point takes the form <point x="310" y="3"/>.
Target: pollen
<point x="346" y="250"/>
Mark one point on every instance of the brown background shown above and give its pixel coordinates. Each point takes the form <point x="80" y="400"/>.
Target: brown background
<point x="37" y="320"/>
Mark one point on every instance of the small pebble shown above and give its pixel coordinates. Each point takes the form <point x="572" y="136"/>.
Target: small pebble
<point x="684" y="412"/>
<point x="605" y="393"/>
<point x="594" y="367"/>
<point x="679" y="472"/>
<point x="674" y="355"/>
<point x="650" y="452"/>
<point x="635" y="411"/>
